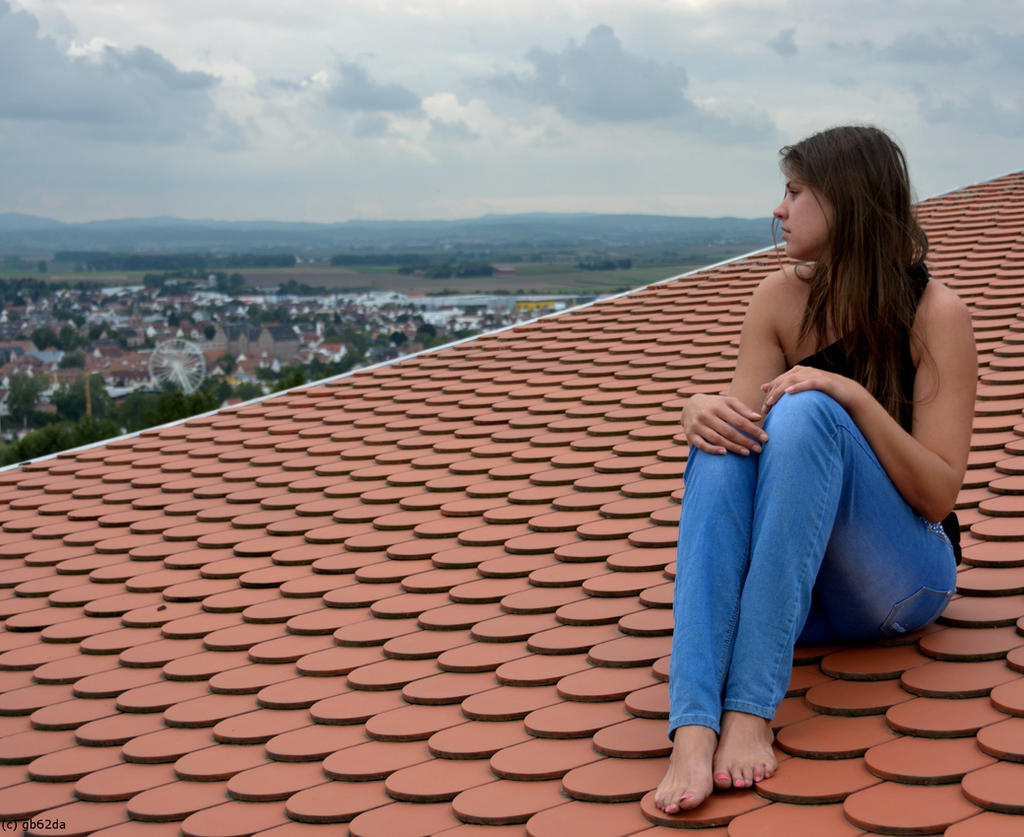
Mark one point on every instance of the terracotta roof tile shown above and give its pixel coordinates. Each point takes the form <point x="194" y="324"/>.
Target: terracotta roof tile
<point x="435" y="596"/>
<point x="986" y="824"/>
<point x="782" y="818"/>
<point x="895" y="807"/>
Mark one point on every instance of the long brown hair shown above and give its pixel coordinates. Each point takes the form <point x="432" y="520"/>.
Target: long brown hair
<point x="864" y="287"/>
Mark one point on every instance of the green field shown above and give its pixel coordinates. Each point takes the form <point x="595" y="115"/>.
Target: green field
<point x="540" y="277"/>
<point x="564" y="281"/>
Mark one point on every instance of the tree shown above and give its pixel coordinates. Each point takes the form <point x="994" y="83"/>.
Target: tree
<point x="233" y="284"/>
<point x="209" y="330"/>
<point x="72" y="360"/>
<point x="70" y="398"/>
<point x="291" y="377"/>
<point x="45" y="338"/>
<point x="68" y="339"/>
<point x="173" y="404"/>
<point x="58" y="437"/>
<point x="132" y="407"/>
<point x="23" y="395"/>
<point x="355" y="341"/>
<point x="223" y="391"/>
<point x="247" y="390"/>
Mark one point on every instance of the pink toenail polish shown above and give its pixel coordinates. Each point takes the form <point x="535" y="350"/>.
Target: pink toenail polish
<point x="722" y="776"/>
<point x="685" y="796"/>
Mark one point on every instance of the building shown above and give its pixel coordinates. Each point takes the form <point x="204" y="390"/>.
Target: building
<point x="280" y="341"/>
<point x="238" y="338"/>
<point x="277" y="341"/>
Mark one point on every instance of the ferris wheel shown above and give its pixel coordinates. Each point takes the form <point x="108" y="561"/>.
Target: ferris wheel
<point x="179" y="362"/>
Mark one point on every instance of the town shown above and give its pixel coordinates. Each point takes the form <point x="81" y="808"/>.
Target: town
<point x="110" y="328"/>
<point x="81" y="361"/>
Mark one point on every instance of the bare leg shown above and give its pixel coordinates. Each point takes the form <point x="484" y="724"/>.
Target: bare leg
<point x="687" y="781"/>
<point x="744" y="753"/>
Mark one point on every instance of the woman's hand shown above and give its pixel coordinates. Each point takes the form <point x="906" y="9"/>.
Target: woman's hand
<point x="800" y="378"/>
<point x="720" y="423"/>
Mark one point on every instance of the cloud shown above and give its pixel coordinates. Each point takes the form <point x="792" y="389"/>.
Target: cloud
<point x="968" y="79"/>
<point x="356" y="91"/>
<point x="457" y="131"/>
<point x="663" y="109"/>
<point x="144" y="63"/>
<point x="937" y="48"/>
<point x="371" y="126"/>
<point x="784" y="43"/>
<point x="930" y="48"/>
<point x="283" y="84"/>
<point x="980" y="110"/>
<point x="108" y="93"/>
<point x="598" y="81"/>
<point x="1005" y="49"/>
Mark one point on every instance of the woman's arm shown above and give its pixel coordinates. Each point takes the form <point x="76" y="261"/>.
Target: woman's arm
<point x="720" y="423"/>
<point x="927" y="465"/>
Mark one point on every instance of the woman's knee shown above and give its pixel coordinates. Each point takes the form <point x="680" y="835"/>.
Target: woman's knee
<point x="802" y="415"/>
<point x="718" y="479"/>
<point x="717" y="466"/>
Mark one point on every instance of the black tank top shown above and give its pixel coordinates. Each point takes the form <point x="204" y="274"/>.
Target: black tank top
<point x="833" y="358"/>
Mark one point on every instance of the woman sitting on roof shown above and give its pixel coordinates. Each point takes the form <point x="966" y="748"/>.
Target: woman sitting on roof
<point x="821" y="523"/>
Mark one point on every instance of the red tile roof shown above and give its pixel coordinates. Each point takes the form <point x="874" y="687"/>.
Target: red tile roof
<point x="435" y="597"/>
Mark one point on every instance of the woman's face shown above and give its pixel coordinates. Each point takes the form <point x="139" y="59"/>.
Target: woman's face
<point x="806" y="218"/>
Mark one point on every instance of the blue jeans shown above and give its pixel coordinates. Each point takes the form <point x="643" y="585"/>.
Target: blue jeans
<point x="808" y="540"/>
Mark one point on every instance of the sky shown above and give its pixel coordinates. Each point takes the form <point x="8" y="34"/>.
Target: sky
<point x="329" y="110"/>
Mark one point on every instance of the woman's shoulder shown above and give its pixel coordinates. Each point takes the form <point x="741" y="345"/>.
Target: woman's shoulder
<point x="942" y="322"/>
<point x="777" y="307"/>
<point x="788" y="275"/>
<point x="785" y="281"/>
<point x="782" y="289"/>
<point x="940" y="306"/>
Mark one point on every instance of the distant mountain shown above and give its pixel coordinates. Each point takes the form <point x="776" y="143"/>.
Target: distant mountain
<point x="30" y="235"/>
<point x="18" y="221"/>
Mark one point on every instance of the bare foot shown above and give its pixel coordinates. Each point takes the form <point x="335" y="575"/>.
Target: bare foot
<point x="744" y="753"/>
<point x="687" y="782"/>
